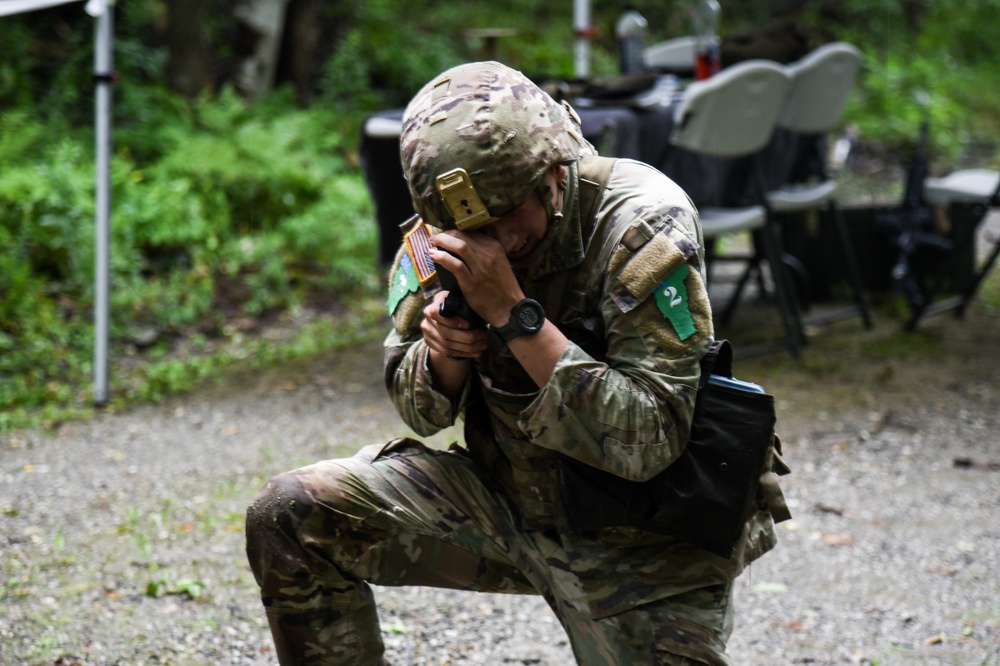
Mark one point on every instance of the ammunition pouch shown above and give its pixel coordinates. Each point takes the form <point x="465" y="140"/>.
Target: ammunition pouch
<point x="706" y="496"/>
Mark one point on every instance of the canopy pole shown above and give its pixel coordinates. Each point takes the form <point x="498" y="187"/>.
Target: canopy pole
<point x="584" y="31"/>
<point x="103" y="79"/>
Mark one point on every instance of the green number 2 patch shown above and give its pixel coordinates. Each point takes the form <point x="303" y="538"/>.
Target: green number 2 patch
<point x="672" y="301"/>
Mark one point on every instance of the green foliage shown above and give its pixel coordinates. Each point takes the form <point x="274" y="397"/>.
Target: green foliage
<point x="186" y="587"/>
<point x="227" y="210"/>
<point x="968" y="28"/>
<point x="378" y="63"/>
<point x="55" y="76"/>
<point x="45" y="201"/>
<point x="934" y="61"/>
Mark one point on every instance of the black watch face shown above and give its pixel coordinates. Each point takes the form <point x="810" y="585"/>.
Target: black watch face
<point x="529" y="316"/>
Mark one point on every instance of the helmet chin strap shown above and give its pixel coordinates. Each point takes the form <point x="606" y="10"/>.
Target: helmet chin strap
<point x="561" y="188"/>
<point x="554" y="209"/>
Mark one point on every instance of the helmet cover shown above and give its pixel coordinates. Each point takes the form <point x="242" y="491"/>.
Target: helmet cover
<point x="493" y="122"/>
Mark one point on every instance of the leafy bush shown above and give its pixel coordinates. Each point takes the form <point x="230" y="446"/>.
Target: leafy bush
<point x="227" y="210"/>
<point x="933" y="61"/>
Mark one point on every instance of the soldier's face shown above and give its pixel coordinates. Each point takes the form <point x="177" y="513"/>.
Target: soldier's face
<point x="521" y="230"/>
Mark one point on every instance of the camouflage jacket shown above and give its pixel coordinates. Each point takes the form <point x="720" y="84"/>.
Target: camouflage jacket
<point x="624" y="281"/>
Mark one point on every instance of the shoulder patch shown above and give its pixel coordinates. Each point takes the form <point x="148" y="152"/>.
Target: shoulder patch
<point x="645" y="269"/>
<point x="407" y="314"/>
<point x="403" y="281"/>
<point x="657" y="258"/>
<point x="672" y="301"/>
<point x="659" y="249"/>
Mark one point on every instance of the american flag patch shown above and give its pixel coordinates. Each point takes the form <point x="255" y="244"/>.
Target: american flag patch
<point x="418" y="244"/>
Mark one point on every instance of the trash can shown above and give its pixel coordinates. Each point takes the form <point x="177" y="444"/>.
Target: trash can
<point x="379" y="156"/>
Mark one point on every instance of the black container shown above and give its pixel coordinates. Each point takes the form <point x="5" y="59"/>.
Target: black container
<point x="811" y="238"/>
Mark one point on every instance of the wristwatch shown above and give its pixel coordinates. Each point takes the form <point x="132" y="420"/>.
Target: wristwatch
<point x="526" y="318"/>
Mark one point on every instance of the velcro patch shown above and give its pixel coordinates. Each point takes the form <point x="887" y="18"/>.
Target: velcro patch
<point x="647" y="268"/>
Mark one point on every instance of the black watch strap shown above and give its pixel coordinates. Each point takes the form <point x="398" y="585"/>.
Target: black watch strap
<point x="526" y="318"/>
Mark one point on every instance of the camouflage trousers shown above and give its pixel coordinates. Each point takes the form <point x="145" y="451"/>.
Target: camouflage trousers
<point x="404" y="514"/>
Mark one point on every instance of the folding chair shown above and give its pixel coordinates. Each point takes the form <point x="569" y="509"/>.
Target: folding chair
<point x="732" y="116"/>
<point x="673" y="56"/>
<point x="821" y="82"/>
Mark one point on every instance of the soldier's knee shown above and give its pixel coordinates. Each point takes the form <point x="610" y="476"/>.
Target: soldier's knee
<point x="279" y="505"/>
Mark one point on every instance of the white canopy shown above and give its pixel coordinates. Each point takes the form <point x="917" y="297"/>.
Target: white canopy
<point x="103" y="70"/>
<point x="8" y="7"/>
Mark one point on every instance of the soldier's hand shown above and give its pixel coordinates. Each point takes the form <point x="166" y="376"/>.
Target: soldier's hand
<point x="483" y="271"/>
<point x="450" y="336"/>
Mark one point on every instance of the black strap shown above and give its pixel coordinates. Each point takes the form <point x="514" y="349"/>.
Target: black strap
<point x="718" y="360"/>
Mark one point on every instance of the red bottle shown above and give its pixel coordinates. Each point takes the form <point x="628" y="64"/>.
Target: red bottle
<point x="707" y="60"/>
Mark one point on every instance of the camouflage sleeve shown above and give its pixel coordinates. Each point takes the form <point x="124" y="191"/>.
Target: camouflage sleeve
<point x="407" y="377"/>
<point x="631" y="416"/>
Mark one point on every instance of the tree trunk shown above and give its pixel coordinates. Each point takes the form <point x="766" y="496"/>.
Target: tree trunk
<point x="189" y="63"/>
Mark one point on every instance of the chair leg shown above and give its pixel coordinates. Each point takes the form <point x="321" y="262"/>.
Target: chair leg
<point x="854" y="273"/>
<point x="753" y="270"/>
<point x="769" y="250"/>
<point x="794" y="339"/>
<point x="790" y="316"/>
<point x="970" y="291"/>
<point x="753" y="266"/>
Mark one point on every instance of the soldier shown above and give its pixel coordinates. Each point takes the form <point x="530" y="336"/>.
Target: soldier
<point x="589" y="275"/>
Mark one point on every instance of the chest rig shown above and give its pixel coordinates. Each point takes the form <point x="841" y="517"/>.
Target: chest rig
<point x="524" y="472"/>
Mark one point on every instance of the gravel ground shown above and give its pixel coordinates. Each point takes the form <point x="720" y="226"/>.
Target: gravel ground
<point x="121" y="538"/>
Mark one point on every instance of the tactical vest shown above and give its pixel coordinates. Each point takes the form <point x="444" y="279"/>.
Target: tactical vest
<point x="529" y="475"/>
<point x="526" y="473"/>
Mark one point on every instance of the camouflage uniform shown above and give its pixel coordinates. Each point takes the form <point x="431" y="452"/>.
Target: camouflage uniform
<point x="488" y="516"/>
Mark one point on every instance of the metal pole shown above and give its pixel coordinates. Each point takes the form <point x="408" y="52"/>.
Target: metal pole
<point x="103" y="79"/>
<point x="584" y="31"/>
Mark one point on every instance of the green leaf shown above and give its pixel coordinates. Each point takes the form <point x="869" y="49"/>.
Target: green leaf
<point x="771" y="588"/>
<point x="194" y="589"/>
<point x="396" y="627"/>
<point x="155" y="588"/>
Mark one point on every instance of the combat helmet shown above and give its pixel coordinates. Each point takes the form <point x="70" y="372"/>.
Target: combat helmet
<point x="494" y="123"/>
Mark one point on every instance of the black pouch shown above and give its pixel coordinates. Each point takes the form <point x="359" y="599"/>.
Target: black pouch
<point x="707" y="494"/>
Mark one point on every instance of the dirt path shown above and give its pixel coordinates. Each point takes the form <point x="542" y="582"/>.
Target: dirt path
<point x="121" y="538"/>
